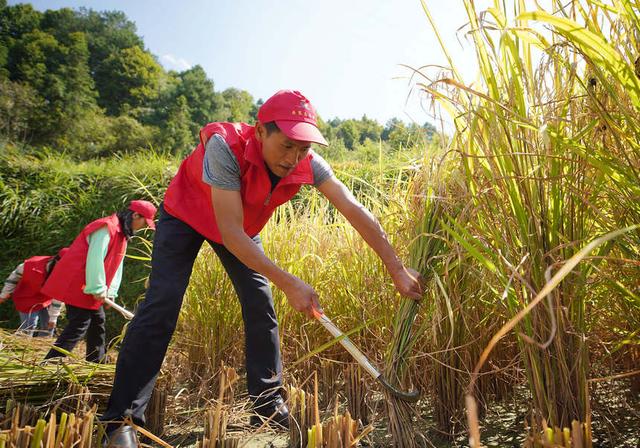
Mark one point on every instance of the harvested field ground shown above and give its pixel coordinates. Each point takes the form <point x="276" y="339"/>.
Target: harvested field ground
<point x="503" y="426"/>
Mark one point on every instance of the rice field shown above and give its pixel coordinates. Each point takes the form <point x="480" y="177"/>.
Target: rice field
<point x="525" y="224"/>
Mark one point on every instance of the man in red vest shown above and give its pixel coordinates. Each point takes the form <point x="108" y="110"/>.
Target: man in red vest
<point x="225" y="192"/>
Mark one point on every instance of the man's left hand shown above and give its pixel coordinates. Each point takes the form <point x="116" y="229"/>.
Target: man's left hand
<point x="409" y="283"/>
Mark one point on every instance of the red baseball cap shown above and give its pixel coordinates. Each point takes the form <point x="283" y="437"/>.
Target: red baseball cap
<point x="294" y="115"/>
<point x="146" y="209"/>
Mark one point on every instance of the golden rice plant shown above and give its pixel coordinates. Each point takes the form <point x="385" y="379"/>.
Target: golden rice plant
<point x="24" y="377"/>
<point x="306" y="428"/>
<point x="575" y="436"/>
<point x="156" y="412"/>
<point x="427" y="205"/>
<point x="356" y="388"/>
<point x="541" y="179"/>
<point x="70" y="430"/>
<point x="216" y="418"/>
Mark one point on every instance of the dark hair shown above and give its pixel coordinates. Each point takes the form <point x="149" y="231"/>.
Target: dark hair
<point x="50" y="265"/>
<point x="271" y="127"/>
<point x="125" y="217"/>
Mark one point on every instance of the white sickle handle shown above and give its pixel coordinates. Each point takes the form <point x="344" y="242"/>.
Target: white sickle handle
<point x="348" y="345"/>
<point x="410" y="397"/>
<point x="125" y="312"/>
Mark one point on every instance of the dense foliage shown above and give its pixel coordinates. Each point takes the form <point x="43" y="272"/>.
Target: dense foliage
<point x="82" y="82"/>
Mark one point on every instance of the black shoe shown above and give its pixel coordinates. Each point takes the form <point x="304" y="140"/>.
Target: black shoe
<point x="122" y="437"/>
<point x="274" y="411"/>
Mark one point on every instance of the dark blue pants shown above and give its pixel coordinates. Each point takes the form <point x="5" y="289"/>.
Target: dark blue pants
<point x="81" y="322"/>
<point x="175" y="248"/>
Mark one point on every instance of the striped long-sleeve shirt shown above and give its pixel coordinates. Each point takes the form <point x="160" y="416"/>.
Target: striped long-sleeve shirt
<point x="12" y="281"/>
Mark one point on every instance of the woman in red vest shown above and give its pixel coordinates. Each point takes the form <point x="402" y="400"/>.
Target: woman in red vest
<point x="23" y="286"/>
<point x="224" y="193"/>
<point x="90" y="272"/>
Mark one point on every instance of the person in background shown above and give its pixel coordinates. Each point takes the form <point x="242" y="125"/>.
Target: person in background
<point x="55" y="310"/>
<point x="89" y="273"/>
<point x="38" y="313"/>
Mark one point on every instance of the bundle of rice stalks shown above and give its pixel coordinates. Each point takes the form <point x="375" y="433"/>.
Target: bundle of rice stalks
<point x="17" y="414"/>
<point x="356" y="391"/>
<point x="340" y="431"/>
<point x="546" y="176"/>
<point x="329" y="383"/>
<point x="578" y="436"/>
<point x="71" y="431"/>
<point x="424" y="252"/>
<point x="216" y="419"/>
<point x="76" y="399"/>
<point x="156" y="410"/>
<point x="301" y="416"/>
<point x="24" y="377"/>
<point x="306" y="429"/>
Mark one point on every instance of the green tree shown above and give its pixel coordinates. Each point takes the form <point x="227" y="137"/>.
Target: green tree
<point x="107" y="32"/>
<point x="197" y="90"/>
<point x="235" y="105"/>
<point x="128" y="136"/>
<point x="328" y="131"/>
<point x="176" y="135"/>
<point x="369" y="129"/>
<point x="18" y="102"/>
<point x="59" y="73"/>
<point x="16" y="21"/>
<point x="335" y="152"/>
<point x="253" y="115"/>
<point x="430" y="130"/>
<point x="401" y="136"/>
<point x="60" y="23"/>
<point x="130" y="79"/>
<point x="391" y="125"/>
<point x="349" y="133"/>
<point x="4" y="58"/>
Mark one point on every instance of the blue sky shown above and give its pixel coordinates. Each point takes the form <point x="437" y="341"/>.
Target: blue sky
<point x="344" y="55"/>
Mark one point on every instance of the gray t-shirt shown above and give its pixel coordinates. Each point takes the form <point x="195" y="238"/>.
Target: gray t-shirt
<point x="221" y="169"/>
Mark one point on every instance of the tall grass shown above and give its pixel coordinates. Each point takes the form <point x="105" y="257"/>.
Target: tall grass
<point x="549" y="153"/>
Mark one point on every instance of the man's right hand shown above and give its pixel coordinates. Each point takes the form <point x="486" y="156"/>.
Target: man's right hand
<point x="100" y="297"/>
<point x="4" y="297"/>
<point x="301" y="296"/>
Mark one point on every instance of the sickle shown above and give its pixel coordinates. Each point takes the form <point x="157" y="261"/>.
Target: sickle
<point x="125" y="312"/>
<point x="411" y="396"/>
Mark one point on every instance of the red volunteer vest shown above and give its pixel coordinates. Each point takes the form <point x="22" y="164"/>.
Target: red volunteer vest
<point x="67" y="281"/>
<point x="188" y="197"/>
<point x="27" y="297"/>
